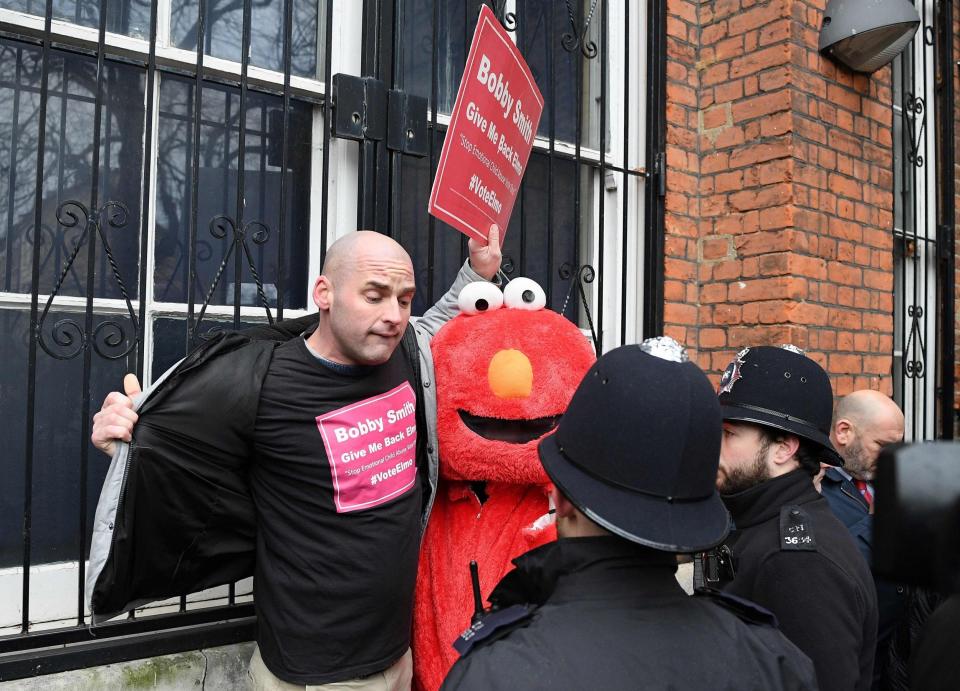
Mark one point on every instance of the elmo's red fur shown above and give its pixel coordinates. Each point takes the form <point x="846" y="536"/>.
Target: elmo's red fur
<point x="493" y="533"/>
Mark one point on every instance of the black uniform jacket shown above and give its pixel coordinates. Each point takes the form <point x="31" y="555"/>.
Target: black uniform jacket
<point x="794" y="557"/>
<point x="609" y="614"/>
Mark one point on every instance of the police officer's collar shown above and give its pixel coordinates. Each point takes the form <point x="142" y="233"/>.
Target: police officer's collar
<point x="537" y="572"/>
<point x="763" y="501"/>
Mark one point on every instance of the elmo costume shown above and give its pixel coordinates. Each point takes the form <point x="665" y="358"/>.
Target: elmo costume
<point x="506" y="369"/>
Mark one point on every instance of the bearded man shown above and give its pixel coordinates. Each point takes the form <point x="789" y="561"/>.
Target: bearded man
<point x="864" y="422"/>
<point x="788" y="552"/>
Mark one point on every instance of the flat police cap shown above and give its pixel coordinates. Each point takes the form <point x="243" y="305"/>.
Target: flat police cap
<point x="638" y="447"/>
<point x="780" y="388"/>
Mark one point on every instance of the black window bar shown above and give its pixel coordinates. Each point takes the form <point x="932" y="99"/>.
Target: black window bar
<point x="947" y="66"/>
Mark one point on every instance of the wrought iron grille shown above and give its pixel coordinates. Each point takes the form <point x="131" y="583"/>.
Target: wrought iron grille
<point x="923" y="227"/>
<point x="169" y="176"/>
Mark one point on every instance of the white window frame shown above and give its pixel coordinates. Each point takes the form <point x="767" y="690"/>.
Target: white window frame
<point x="615" y="185"/>
<point x="919" y="394"/>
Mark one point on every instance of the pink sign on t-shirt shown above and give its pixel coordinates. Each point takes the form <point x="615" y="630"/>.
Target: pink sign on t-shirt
<point x="372" y="448"/>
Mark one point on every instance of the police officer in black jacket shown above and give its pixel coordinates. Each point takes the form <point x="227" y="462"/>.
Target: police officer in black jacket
<point x="788" y="552"/>
<point x="633" y="461"/>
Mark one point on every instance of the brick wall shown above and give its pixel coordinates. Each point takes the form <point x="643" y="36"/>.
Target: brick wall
<point x="779" y="191"/>
<point x="681" y="291"/>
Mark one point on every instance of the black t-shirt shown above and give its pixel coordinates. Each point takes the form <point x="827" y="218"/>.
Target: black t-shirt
<point x="338" y="501"/>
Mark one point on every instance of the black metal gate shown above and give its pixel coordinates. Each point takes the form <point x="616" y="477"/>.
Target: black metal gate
<point x="924" y="217"/>
<point x="169" y="169"/>
<point x="419" y="47"/>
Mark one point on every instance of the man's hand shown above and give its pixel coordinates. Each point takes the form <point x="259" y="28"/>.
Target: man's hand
<point x="485" y="258"/>
<point x="116" y="418"/>
<point x="818" y="478"/>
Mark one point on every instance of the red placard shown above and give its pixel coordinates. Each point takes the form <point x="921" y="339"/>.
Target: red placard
<point x="488" y="143"/>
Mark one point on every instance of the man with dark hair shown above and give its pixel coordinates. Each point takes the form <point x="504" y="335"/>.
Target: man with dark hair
<point x="788" y="552"/>
<point x="600" y="608"/>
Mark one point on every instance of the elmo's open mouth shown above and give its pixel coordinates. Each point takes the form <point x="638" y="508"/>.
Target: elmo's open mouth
<point x="510" y="431"/>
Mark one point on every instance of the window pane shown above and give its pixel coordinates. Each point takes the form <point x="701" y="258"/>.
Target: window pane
<point x="129" y="17"/>
<point x="68" y="169"/>
<point x="415" y="49"/>
<point x="217" y="179"/>
<point x="19" y="111"/>
<point x="170" y="339"/>
<point x="224" y="32"/>
<point x="58" y="435"/>
<point x="537" y="249"/>
<point x="540" y="29"/>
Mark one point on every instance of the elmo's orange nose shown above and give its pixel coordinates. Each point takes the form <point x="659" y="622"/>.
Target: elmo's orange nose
<point x="510" y="374"/>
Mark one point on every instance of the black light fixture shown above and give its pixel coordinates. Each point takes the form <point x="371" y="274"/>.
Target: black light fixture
<point x="865" y="35"/>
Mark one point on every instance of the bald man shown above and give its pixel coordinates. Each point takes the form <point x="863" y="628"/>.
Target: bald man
<point x="341" y="469"/>
<point x="863" y="423"/>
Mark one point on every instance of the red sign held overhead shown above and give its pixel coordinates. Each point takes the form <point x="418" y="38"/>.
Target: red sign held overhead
<point x="488" y="143"/>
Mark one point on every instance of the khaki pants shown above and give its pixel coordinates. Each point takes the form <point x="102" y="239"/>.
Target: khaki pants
<point x="395" y="678"/>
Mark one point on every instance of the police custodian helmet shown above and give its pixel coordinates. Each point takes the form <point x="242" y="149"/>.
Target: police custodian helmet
<point x="780" y="388"/>
<point x="638" y="447"/>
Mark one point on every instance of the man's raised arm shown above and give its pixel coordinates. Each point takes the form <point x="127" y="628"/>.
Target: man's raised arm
<point x="483" y="265"/>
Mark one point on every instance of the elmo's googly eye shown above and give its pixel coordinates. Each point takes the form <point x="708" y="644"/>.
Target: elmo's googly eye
<point x="480" y="296"/>
<point x="524" y="294"/>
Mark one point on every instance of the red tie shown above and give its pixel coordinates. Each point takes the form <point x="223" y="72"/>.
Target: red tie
<point x="865" y="491"/>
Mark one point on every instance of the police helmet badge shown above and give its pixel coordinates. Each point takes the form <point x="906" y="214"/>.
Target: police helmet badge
<point x="732" y="375"/>
<point x="665" y="348"/>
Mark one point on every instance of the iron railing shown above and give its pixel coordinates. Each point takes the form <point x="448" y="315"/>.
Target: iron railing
<point x="186" y="205"/>
<point x="924" y="226"/>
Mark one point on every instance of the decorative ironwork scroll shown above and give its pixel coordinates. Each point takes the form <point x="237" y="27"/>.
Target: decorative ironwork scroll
<point x="577" y="38"/>
<point x="109" y="337"/>
<point x="913" y="367"/>
<point x="507" y="19"/>
<point x="580" y="275"/>
<point x="259" y="233"/>
<point x="914" y="106"/>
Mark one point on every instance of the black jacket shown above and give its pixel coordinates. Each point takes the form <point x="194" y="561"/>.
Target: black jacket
<point x="609" y="614"/>
<point x="175" y="514"/>
<point x="794" y="557"/>
<point x="892" y="598"/>
<point x="935" y="665"/>
<point x="851" y="508"/>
